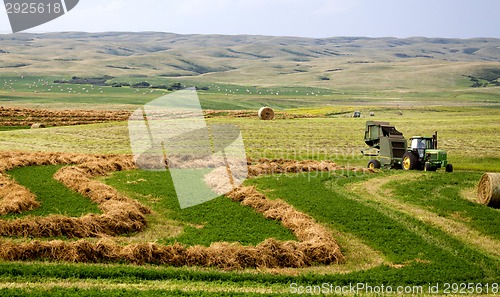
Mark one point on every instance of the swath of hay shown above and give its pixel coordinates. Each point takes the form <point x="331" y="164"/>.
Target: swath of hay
<point x="120" y="213"/>
<point x="315" y="246"/>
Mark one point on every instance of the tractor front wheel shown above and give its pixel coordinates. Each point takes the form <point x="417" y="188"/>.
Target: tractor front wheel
<point x="410" y="161"/>
<point x="449" y="168"/>
<point x="374" y="164"/>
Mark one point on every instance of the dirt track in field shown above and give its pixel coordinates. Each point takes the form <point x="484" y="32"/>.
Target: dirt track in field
<point x="373" y="190"/>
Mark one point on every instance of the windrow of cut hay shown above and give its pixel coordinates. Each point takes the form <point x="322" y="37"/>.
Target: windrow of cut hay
<point x="12" y="160"/>
<point x="252" y="114"/>
<point x="29" y="116"/>
<point x="315" y="243"/>
<point x="283" y="166"/>
<point x="15" y="198"/>
<point x="269" y="254"/>
<point x="259" y="167"/>
<point x="120" y="214"/>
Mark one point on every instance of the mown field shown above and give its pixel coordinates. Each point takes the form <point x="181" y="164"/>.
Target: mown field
<point x="391" y="230"/>
<point x="408" y="230"/>
<point x="470" y="135"/>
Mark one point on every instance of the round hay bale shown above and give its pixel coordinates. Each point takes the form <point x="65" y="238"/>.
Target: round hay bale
<point x="37" y="126"/>
<point x="488" y="190"/>
<point x="266" y="113"/>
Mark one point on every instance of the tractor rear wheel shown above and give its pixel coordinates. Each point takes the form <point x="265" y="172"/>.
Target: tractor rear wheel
<point x="410" y="161"/>
<point x="374" y="164"/>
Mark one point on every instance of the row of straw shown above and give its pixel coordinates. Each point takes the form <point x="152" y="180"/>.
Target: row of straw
<point x="315" y="243"/>
<point x="120" y="214"/>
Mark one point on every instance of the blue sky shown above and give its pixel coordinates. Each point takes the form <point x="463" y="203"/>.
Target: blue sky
<point x="312" y="18"/>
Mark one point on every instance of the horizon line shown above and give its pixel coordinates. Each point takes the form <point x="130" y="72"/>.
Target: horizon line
<point x="240" y="34"/>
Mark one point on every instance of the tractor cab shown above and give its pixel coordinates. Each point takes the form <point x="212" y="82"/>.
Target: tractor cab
<point x="423" y="153"/>
<point x="419" y="144"/>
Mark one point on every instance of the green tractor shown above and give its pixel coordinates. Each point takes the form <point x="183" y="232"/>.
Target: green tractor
<point x="393" y="151"/>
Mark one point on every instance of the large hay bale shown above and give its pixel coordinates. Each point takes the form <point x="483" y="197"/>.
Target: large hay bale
<point x="266" y="113"/>
<point x="37" y="126"/>
<point x="488" y="190"/>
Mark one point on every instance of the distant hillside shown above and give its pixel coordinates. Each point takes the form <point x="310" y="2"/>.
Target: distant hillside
<point x="256" y="60"/>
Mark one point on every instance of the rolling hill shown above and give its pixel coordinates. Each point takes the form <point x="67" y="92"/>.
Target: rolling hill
<point x="347" y="62"/>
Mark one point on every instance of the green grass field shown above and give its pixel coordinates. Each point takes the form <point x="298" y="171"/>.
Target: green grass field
<point x="36" y="91"/>
<point x="53" y="195"/>
<point x="11" y="128"/>
<point x="422" y="247"/>
<point x="376" y="212"/>
<point x="214" y="221"/>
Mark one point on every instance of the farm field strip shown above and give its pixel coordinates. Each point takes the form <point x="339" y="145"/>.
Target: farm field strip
<point x="358" y="256"/>
<point x="452" y="196"/>
<point x="46" y="284"/>
<point x="27" y="117"/>
<point x="469" y="140"/>
<point x="373" y="190"/>
<point x="24" y="117"/>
